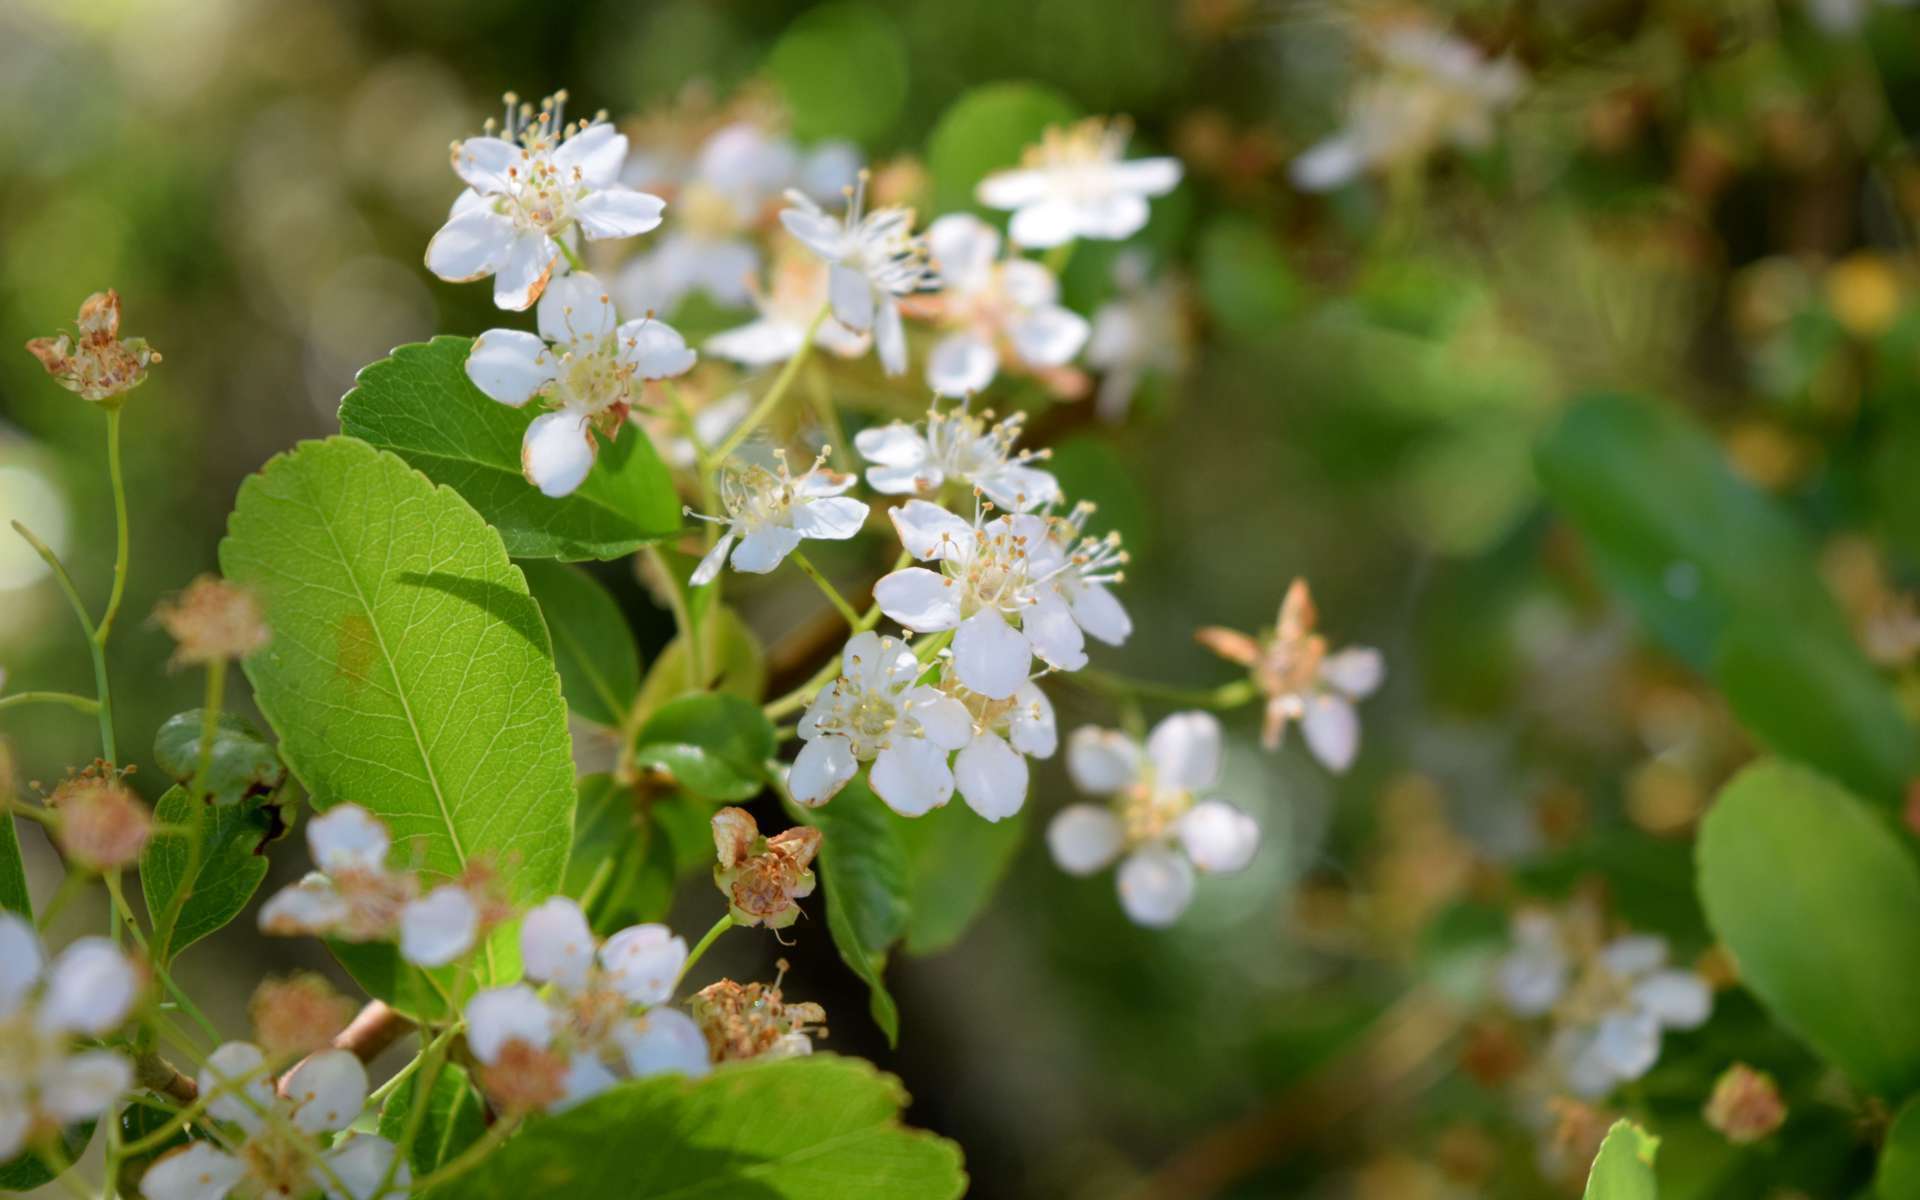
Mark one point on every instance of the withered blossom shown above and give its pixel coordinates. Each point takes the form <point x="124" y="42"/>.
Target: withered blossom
<point x="763" y="878"/>
<point x="97" y="363"/>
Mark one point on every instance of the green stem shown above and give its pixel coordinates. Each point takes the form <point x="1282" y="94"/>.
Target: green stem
<point x="567" y="252"/>
<point x="120" y="527"/>
<point x="713" y="935"/>
<point x="822" y="397"/>
<point x="775" y="394"/>
<point x="1057" y="258"/>
<point x="1228" y="695"/>
<point x="826" y="588"/>
<point x="469" y="1158"/>
<point x="431" y="1060"/>
<point x="209" y="726"/>
<point x="95" y="643"/>
<point x="83" y="704"/>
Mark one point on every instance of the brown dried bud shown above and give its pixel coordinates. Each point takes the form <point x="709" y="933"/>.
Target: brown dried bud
<point x="1745" y="1105"/>
<point x="102" y="824"/>
<point x="295" y="1016"/>
<point x="213" y="620"/>
<point x="743" y="1021"/>
<point x="96" y="363"/>
<point x="523" y="1078"/>
<point x="763" y="878"/>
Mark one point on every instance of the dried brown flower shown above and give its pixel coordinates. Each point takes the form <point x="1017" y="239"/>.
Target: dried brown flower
<point x="297" y="1015"/>
<point x="213" y="620"/>
<point x="1745" y="1105"/>
<point x="524" y="1078"/>
<point x="96" y="363"/>
<point x="762" y="878"/>
<point x="102" y="825"/>
<point x="743" y="1021"/>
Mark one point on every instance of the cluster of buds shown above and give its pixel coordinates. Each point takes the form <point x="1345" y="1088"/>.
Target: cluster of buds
<point x="99" y="823"/>
<point x="753" y="1020"/>
<point x="764" y="879"/>
<point x="213" y="620"/>
<point x="96" y="362"/>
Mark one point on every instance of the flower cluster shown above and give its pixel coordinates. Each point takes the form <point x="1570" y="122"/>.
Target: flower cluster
<point x="1155" y="816"/>
<point x="873" y="258"/>
<point x="770" y="512"/>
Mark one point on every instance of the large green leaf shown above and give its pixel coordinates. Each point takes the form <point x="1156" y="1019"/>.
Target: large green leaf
<point x="231" y="868"/>
<point x="1676" y="531"/>
<point x="985" y="130"/>
<point x="1820" y="905"/>
<point x="409" y="670"/>
<point x="592" y="645"/>
<point x="419" y="403"/>
<point x="454" y="1118"/>
<point x="241" y="762"/>
<point x="955" y="861"/>
<point x="815" y="1128"/>
<point x="863" y="866"/>
<point x="714" y="745"/>
<point x="1623" y="1170"/>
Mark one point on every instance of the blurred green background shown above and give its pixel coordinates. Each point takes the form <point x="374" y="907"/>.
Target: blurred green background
<point x="1707" y="203"/>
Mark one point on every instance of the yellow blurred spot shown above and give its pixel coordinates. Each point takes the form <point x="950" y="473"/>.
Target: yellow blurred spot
<point x="1864" y="293"/>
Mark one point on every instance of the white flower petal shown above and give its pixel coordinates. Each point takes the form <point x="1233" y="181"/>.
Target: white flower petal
<point x="1012" y="189"/>
<point x="20" y="961"/>
<point x="439" y="927"/>
<point x="823" y="235"/>
<point x="1634" y="954"/>
<point x="195" y="1171"/>
<point x="556" y="945"/>
<point x="472" y="245"/>
<point x="1155" y="886"/>
<point x="1102" y="761"/>
<point x="85" y="1085"/>
<point x="482" y="163"/>
<point x="310" y="907"/>
<point x="348" y="836"/>
<point x="757" y="343"/>
<point x="894" y="445"/>
<point x="962" y="364"/>
<point x="1332" y="730"/>
<point x="643" y="962"/>
<point x="1185" y="751"/>
<point x="710" y="563"/>
<point x="655" y="349"/>
<point x="90" y="988"/>
<point x="851" y="295"/>
<point x="963" y="248"/>
<point x="1095" y="608"/>
<point x="1083" y="838"/>
<point x="511" y="1014"/>
<point x="664" y="1042"/>
<point x="360" y="1164"/>
<point x="763" y="548"/>
<point x="234" y="1070"/>
<point x="599" y="151"/>
<point x="509" y="365"/>
<point x="821" y="769"/>
<point x="1328" y="164"/>
<point x="943" y="720"/>
<point x="931" y="533"/>
<point x="991" y="777"/>
<point x="1050" y="336"/>
<point x="1030" y="726"/>
<point x="524" y="272"/>
<point x="1354" y="672"/>
<point x="1677" y="999"/>
<point x="618" y="212"/>
<point x="890" y="337"/>
<point x="1147" y="176"/>
<point x="575" y="308"/>
<point x="831" y="518"/>
<point x="912" y="777"/>
<point x="1053" y="633"/>
<point x="990" y="656"/>
<point x="1628" y="1043"/>
<point x="1045" y="225"/>
<point x="327" y="1091"/>
<point x="919" y="599"/>
<point x="557" y="452"/>
<point x="1219" y="837"/>
<point x="586" y="1078"/>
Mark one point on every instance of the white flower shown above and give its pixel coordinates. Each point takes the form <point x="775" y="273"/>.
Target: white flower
<point x="591" y="1029"/>
<point x="1155" y="816"/>
<point x="799" y="288"/>
<point x="1610" y="1005"/>
<point x="526" y="190"/>
<point x="878" y="712"/>
<point x="50" y="1073"/>
<point x="587" y="367"/>
<point x="991" y="770"/>
<point x="994" y="308"/>
<point x="960" y="445"/>
<point x="1074" y="184"/>
<point x="1078" y="568"/>
<point x="284" y="1150"/>
<point x="770" y="514"/>
<point x="1142" y="330"/>
<point x="1432" y="90"/>
<point x="874" y="259"/>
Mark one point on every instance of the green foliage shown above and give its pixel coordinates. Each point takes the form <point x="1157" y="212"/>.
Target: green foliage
<point x="592" y="646"/>
<point x="409" y="670"/>
<point x="815" y="1128"/>
<point x="733" y="660"/>
<point x="242" y="763"/>
<point x="14" y="896"/>
<point x="137" y="1120"/>
<point x="454" y="1118"/>
<point x="419" y="403"/>
<point x="1246" y="280"/>
<point x="843" y="70"/>
<point x="630" y="851"/>
<point x="25" y="1172"/>
<point x="714" y="745"/>
<point x="1623" y="1170"/>
<point x="955" y="861"/>
<point x="984" y="130"/>
<point x="1820" y="906"/>
<point x="232" y="865"/>
<point x="863" y="866"/>
<point x="1089" y="468"/>
<point x="1899" y="1175"/>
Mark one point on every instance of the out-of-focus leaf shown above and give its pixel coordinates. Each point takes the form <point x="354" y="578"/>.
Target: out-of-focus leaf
<point x="1623" y="1170"/>
<point x="454" y="1118"/>
<point x="1820" y="703"/>
<point x="1820" y="906"/>
<point x="984" y="130"/>
<point x="1248" y="285"/>
<point x="592" y="646"/>
<point x="1898" y="1177"/>
<point x="1089" y="469"/>
<point x="955" y="860"/>
<point x="863" y="866"/>
<point x="419" y="403"/>
<point x="843" y="71"/>
<point x="734" y="664"/>
<point x="714" y="745"/>
<point x="1673" y="529"/>
<point x="628" y="857"/>
<point x="14" y="895"/>
<point x="242" y="762"/>
<point x="820" y="1127"/>
<point x="229" y="873"/>
<point x="25" y="1172"/>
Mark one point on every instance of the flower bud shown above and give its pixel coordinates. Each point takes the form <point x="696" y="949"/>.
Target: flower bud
<point x="1745" y="1105"/>
<point x="96" y="363"/>
<point x="213" y="620"/>
<point x="297" y="1015"/>
<point x="102" y="826"/>
<point x="763" y="878"/>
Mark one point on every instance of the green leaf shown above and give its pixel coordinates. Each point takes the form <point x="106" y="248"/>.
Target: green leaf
<point x="419" y="403"/>
<point x="24" y="1172"/>
<point x="137" y="1120"/>
<point x="863" y="866"/>
<point x="14" y="893"/>
<point x="592" y="645"/>
<point x="1623" y="1170"/>
<point x="714" y="745"/>
<point x="815" y="1128"/>
<point x="242" y="763"/>
<point x="1248" y="285"/>
<point x="955" y="860"/>
<point x="1673" y="529"/>
<point x="985" y="130"/>
<point x="1898" y="1177"/>
<point x="409" y="670"/>
<point x="733" y="660"/>
<point x="1821" y="703"/>
<point x="842" y="69"/>
<point x="1820" y="905"/>
<point x="632" y="855"/>
<point x="454" y="1118"/>
<point x="230" y="871"/>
